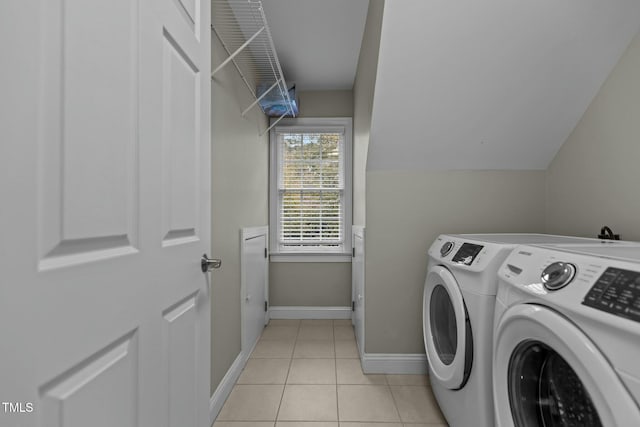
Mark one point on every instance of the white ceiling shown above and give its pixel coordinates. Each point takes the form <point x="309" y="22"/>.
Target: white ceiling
<point x="317" y="41"/>
<point x="492" y="84"/>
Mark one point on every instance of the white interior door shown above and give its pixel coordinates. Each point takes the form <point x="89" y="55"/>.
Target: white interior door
<point x="104" y="311"/>
<point x="254" y="291"/>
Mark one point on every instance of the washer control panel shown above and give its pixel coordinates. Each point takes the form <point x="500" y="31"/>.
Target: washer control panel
<point x="467" y="253"/>
<point x="617" y="291"/>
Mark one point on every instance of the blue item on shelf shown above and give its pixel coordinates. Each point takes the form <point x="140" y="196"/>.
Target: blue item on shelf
<point x="274" y="105"/>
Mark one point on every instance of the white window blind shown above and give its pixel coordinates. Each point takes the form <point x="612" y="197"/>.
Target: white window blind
<point x="311" y="189"/>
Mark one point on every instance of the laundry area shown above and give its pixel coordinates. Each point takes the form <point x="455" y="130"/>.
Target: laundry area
<point x="320" y="213"/>
<point x="475" y="118"/>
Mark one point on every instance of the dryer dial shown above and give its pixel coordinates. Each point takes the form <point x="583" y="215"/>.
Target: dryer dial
<point x="558" y="275"/>
<point x="446" y="248"/>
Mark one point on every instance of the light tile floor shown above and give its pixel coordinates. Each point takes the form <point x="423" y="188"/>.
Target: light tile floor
<point x="306" y="373"/>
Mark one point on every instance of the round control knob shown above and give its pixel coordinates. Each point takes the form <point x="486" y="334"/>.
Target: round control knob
<point x="558" y="275"/>
<point x="446" y="248"/>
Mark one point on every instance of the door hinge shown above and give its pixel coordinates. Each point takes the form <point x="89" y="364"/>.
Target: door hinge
<point x="265" y="305"/>
<point x="265" y="253"/>
<point x="354" y="252"/>
<point x="353" y="306"/>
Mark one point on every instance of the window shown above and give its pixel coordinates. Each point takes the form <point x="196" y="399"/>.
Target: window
<point x="311" y="189"/>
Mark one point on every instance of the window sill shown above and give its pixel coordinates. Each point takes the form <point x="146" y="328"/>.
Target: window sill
<point x="310" y="257"/>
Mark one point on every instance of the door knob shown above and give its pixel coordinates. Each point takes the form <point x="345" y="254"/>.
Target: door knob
<point x="208" y="264"/>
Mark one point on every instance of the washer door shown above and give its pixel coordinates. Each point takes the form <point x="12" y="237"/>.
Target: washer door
<point x="447" y="330"/>
<point x="546" y="372"/>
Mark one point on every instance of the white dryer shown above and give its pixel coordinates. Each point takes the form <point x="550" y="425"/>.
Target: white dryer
<point x="458" y="310"/>
<point x="567" y="337"/>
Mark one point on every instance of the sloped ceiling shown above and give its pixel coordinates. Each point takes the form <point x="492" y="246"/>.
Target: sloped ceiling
<point x="317" y="41"/>
<point x="493" y="84"/>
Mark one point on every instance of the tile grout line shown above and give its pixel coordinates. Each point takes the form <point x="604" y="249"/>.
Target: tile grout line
<point x="335" y="364"/>
<point x="335" y="361"/>
<point x="287" y="376"/>
<point x="395" y="403"/>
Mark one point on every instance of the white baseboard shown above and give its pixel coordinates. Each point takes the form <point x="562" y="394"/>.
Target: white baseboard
<point x="226" y="385"/>
<point x="380" y="363"/>
<point x="290" y="312"/>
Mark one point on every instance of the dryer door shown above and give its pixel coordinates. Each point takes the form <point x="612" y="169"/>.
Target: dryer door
<point x="447" y="330"/>
<point x="546" y="372"/>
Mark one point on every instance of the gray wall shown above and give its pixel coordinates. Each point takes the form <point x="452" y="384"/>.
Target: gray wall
<point x="594" y="179"/>
<point x="319" y="284"/>
<point x="363" y="93"/>
<point x="406" y="210"/>
<point x="240" y="175"/>
<point x="324" y="283"/>
<point x="326" y="103"/>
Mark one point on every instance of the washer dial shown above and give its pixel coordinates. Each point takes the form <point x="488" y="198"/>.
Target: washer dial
<point x="558" y="275"/>
<point x="446" y="248"/>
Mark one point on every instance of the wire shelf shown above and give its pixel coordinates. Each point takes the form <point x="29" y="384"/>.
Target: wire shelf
<point x="241" y="27"/>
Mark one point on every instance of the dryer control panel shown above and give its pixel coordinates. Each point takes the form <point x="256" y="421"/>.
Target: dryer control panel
<point x="617" y="291"/>
<point x="467" y="253"/>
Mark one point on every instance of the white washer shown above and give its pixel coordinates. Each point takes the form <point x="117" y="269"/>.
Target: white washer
<point x="458" y="310"/>
<point x="567" y="337"/>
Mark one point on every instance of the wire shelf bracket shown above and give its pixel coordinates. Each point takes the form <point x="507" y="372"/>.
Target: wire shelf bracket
<point x="241" y="26"/>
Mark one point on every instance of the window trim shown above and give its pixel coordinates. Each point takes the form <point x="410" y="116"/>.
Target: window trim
<point x="313" y="124"/>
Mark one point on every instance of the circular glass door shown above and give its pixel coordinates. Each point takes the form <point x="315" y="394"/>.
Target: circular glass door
<point x="443" y="324"/>
<point x="547" y="372"/>
<point x="447" y="329"/>
<point x="545" y="391"/>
